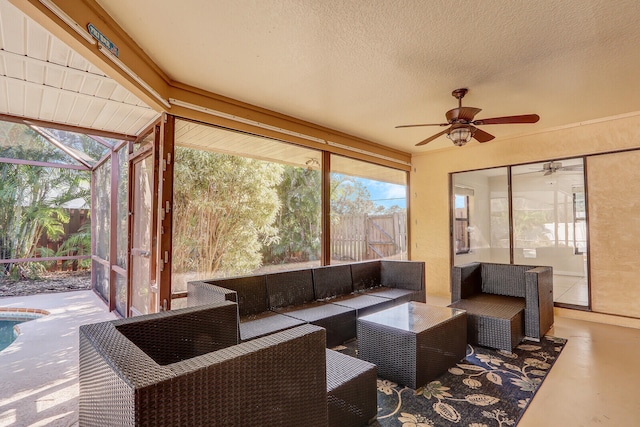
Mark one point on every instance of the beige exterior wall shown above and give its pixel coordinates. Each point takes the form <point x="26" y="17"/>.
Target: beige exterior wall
<point x="430" y="200"/>
<point x="614" y="200"/>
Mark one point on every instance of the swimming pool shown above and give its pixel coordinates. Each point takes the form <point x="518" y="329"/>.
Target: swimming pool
<point x="10" y="318"/>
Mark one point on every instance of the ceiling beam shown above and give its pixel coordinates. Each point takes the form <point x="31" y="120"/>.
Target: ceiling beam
<point x="75" y="154"/>
<point x="43" y="164"/>
<point x="66" y="127"/>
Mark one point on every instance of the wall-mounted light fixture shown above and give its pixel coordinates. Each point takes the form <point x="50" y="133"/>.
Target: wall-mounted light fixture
<point x="312" y="164"/>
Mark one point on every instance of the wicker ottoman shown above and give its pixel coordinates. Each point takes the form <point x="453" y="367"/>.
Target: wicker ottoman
<point x="352" y="396"/>
<point x="493" y="321"/>
<point x="413" y="343"/>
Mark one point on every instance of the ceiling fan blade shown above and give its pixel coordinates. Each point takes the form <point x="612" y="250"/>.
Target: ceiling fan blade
<point x="525" y="118"/>
<point x="431" y="138"/>
<point x="423" y="124"/>
<point x="462" y="113"/>
<point x="482" y="136"/>
<point x="572" y="168"/>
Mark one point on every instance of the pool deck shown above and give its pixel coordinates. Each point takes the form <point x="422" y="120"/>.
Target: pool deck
<point x="39" y="370"/>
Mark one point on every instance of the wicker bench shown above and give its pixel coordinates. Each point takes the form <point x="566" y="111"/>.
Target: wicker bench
<point x="331" y="297"/>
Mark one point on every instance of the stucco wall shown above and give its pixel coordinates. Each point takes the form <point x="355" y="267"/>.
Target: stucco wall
<point x="430" y="199"/>
<point x="614" y="203"/>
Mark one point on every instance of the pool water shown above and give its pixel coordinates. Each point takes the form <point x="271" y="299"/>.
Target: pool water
<point x="9" y="319"/>
<point x="7" y="333"/>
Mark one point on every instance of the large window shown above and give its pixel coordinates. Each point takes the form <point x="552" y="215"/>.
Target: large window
<point x="122" y="229"/>
<point x="242" y="204"/>
<point x="579" y="220"/>
<point x="101" y="229"/>
<point x="368" y="211"/>
<point x="64" y="205"/>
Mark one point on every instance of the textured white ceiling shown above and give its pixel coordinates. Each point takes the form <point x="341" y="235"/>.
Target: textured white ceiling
<point x="363" y="67"/>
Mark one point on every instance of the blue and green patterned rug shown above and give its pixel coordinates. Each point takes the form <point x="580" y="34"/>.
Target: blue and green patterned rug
<point x="488" y="388"/>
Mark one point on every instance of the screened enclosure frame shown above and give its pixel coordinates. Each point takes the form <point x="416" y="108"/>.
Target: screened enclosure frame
<point x="54" y="134"/>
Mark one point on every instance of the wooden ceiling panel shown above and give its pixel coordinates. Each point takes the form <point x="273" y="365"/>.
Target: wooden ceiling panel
<point x="78" y="111"/>
<point x="34" y="96"/>
<point x="14" y="29"/>
<point x="4" y="97"/>
<point x="48" y="105"/>
<point x="43" y="79"/>
<point x="16" y="95"/>
<point x="90" y="86"/>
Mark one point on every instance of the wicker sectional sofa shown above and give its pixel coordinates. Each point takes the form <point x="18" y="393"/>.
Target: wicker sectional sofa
<point x="331" y="297"/>
<point x="504" y="302"/>
<point x="187" y="367"/>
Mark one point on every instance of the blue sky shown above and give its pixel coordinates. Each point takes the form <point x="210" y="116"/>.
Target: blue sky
<point x="385" y="194"/>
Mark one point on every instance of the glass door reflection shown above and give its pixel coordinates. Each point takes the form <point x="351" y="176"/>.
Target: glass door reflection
<point x="549" y="224"/>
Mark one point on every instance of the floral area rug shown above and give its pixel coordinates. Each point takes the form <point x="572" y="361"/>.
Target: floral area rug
<point x="488" y="388"/>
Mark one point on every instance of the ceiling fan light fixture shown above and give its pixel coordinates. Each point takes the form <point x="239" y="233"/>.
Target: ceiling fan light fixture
<point x="460" y="136"/>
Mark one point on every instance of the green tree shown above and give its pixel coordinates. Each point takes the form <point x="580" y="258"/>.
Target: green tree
<point x="298" y="221"/>
<point x="224" y="210"/>
<point x="349" y="196"/>
<point x="79" y="243"/>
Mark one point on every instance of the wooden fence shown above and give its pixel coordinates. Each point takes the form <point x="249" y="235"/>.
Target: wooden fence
<point x="364" y="237"/>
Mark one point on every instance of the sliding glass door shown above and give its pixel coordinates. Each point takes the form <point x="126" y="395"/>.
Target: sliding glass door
<point x="480" y="220"/>
<point x="549" y="224"/>
<point x="538" y="217"/>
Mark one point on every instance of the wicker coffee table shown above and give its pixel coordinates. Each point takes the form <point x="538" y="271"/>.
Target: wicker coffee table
<point x="413" y="343"/>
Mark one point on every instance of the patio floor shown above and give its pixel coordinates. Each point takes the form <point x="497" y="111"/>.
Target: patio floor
<point x="39" y="375"/>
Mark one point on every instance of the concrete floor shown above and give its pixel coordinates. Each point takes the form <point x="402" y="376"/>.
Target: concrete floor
<point x="39" y="370"/>
<point x="570" y="290"/>
<point x="593" y="383"/>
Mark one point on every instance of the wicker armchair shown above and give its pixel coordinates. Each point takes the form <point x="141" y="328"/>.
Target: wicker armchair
<point x="492" y="290"/>
<point x="185" y="368"/>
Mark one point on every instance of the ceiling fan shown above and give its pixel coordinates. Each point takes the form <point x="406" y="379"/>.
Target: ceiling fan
<point x="553" y="167"/>
<point x="462" y="127"/>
